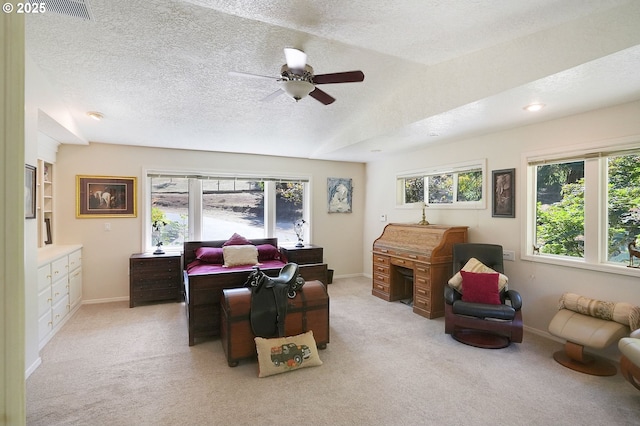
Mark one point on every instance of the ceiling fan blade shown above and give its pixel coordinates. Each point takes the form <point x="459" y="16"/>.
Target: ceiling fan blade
<point x="272" y="96"/>
<point x="246" y="74"/>
<point x="321" y="96"/>
<point x="296" y="58"/>
<point x="339" y="77"/>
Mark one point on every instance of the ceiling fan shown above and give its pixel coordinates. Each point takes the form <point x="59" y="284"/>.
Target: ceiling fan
<point x="297" y="79"/>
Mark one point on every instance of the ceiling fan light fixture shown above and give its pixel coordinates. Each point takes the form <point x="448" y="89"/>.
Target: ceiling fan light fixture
<point x="95" y="115"/>
<point x="534" y="107"/>
<point x="297" y="89"/>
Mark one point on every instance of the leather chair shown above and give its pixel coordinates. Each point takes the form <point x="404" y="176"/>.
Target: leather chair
<point x="630" y="360"/>
<point x="477" y="324"/>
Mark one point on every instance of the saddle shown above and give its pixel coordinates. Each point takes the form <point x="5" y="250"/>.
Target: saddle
<point x="269" y="299"/>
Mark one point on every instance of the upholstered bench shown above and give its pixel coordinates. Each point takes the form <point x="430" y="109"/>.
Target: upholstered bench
<point x="585" y="322"/>
<point x="630" y="360"/>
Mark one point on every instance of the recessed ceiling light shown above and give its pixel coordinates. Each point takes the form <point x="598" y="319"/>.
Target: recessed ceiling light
<point x="534" y="107"/>
<point x="376" y="150"/>
<point x="95" y="115"/>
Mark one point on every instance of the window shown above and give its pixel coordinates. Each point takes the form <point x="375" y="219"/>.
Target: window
<point x="585" y="208"/>
<point x="194" y="207"/>
<point x="459" y="186"/>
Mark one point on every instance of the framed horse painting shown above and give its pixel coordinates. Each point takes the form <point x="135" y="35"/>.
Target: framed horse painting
<point x="105" y="196"/>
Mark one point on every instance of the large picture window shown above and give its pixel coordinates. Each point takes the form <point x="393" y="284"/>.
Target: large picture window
<point x="459" y="186"/>
<point x="585" y="207"/>
<point x="194" y="207"/>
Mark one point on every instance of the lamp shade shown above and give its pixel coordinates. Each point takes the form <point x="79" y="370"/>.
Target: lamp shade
<point x="297" y="89"/>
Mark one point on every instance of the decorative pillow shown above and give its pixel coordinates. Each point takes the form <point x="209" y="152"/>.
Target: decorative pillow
<point x="210" y="254"/>
<point x="284" y="354"/>
<point x="621" y="312"/>
<point x="240" y="255"/>
<point x="480" y="288"/>
<point x="236" y="240"/>
<point x="474" y="265"/>
<point x="267" y="252"/>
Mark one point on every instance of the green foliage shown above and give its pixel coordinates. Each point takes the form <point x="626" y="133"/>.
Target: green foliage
<point x="413" y="190"/>
<point x="290" y="192"/>
<point x="560" y="207"/>
<point x="560" y="228"/>
<point x="441" y="188"/>
<point x="470" y="186"/>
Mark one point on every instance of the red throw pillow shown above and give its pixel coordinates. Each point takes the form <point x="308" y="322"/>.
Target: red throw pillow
<point x="210" y="255"/>
<point x="480" y="288"/>
<point x="267" y="252"/>
<point x="237" y="240"/>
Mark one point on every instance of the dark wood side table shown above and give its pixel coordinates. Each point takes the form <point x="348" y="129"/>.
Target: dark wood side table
<point x="154" y="277"/>
<point x="306" y="255"/>
<point x="303" y="255"/>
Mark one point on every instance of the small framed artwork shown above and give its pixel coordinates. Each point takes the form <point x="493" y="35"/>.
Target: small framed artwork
<point x="105" y="196"/>
<point x="339" y="195"/>
<point x="504" y="195"/>
<point x="29" y="192"/>
<point x="47" y="223"/>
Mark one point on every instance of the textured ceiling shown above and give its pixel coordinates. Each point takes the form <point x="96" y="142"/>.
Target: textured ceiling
<point x="436" y="70"/>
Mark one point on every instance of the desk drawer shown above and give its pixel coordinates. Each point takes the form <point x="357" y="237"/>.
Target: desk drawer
<point x="402" y="262"/>
<point x="380" y="260"/>
<point x="381" y="286"/>
<point x="380" y="269"/>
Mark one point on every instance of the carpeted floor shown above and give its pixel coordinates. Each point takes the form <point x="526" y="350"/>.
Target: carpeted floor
<point x="112" y="365"/>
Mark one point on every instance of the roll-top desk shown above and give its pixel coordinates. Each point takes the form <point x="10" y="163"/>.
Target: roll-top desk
<point x="413" y="261"/>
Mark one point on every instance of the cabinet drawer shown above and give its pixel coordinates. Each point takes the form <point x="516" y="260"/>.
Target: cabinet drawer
<point x="59" y="289"/>
<point x="44" y="277"/>
<point x="45" y="325"/>
<point x="60" y="310"/>
<point x="381" y="286"/>
<point x="423" y="292"/>
<point x="422" y="281"/>
<point x="149" y="283"/>
<point x="384" y="279"/>
<point x="380" y="269"/>
<point x="153" y="294"/>
<point x="59" y="268"/>
<point x="44" y="301"/>
<point x="422" y="303"/>
<point x="75" y="260"/>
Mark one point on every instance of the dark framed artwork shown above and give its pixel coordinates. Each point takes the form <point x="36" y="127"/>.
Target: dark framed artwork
<point x="105" y="196"/>
<point x="47" y="223"/>
<point x="504" y="193"/>
<point x="29" y="192"/>
<point x="339" y="195"/>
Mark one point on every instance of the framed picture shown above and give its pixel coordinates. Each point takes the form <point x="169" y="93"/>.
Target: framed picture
<point x="504" y="195"/>
<point x="105" y="196"/>
<point x="29" y="192"/>
<point x="47" y="224"/>
<point x="339" y="195"/>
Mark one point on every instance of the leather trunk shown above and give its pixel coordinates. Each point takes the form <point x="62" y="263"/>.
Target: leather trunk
<point x="309" y="310"/>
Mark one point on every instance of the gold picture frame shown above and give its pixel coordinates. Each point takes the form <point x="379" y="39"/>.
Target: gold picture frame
<point x="106" y="196"/>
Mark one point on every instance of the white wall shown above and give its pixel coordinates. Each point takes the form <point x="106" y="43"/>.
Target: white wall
<point x="106" y="254"/>
<point x="539" y="284"/>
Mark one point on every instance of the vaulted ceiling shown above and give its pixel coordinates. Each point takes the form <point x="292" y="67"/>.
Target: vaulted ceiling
<point x="435" y="71"/>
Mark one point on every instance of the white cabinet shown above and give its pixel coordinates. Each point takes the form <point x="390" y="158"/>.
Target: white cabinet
<point x="59" y="288"/>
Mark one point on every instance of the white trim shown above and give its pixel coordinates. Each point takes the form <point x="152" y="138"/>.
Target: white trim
<point x="107" y="300"/>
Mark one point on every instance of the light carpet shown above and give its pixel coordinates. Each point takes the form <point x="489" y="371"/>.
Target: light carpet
<point x="384" y="365"/>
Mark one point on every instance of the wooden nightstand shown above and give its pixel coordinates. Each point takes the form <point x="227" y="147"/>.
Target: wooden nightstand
<point x="154" y="277"/>
<point x="303" y="255"/>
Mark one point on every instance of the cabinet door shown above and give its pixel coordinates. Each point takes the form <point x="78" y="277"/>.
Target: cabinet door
<point x="75" y="287"/>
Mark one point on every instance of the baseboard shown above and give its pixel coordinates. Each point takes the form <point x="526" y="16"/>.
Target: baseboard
<point x="107" y="300"/>
<point x="32" y="368"/>
<point x="349" y="276"/>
